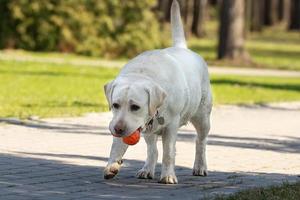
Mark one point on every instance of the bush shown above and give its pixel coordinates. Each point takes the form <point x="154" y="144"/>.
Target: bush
<point x="107" y="28"/>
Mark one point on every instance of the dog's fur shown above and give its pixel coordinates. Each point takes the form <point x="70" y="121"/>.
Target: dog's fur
<point x="173" y="82"/>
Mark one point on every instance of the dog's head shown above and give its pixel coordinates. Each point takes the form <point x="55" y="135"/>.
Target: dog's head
<point x="132" y="104"/>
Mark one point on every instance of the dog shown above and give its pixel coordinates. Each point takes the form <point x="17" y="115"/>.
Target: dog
<point x="161" y="90"/>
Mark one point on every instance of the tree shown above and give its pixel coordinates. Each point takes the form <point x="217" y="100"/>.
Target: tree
<point x="271" y="12"/>
<point x="186" y="9"/>
<point x="200" y="7"/>
<point x="256" y="15"/>
<point x="231" y="33"/>
<point x="7" y="35"/>
<point x="164" y="7"/>
<point x="213" y="2"/>
<point x="294" y="23"/>
<point x="283" y="10"/>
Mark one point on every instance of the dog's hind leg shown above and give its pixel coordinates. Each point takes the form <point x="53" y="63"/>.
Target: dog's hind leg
<point x="148" y="171"/>
<point x="201" y="122"/>
<point x="117" y="151"/>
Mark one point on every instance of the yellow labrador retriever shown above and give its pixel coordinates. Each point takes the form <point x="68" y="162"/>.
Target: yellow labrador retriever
<point x="161" y="90"/>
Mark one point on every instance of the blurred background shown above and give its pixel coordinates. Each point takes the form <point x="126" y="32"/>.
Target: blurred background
<point x="56" y="55"/>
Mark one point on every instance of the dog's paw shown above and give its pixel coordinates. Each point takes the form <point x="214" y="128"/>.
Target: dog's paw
<point x="200" y="171"/>
<point x="111" y="170"/>
<point x="145" y="174"/>
<point x="170" y="179"/>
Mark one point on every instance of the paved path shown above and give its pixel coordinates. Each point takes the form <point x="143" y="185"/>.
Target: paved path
<point x="64" y="158"/>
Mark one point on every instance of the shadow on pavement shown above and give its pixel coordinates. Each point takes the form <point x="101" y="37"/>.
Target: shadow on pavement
<point x="25" y="177"/>
<point x="58" y="127"/>
<point x="284" y="145"/>
<point x="287" y="145"/>
<point x="271" y="107"/>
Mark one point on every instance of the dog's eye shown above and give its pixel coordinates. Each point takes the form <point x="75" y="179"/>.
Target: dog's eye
<point x="134" y="107"/>
<point x="116" y="106"/>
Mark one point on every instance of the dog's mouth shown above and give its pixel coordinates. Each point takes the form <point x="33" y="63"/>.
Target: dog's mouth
<point x="126" y="135"/>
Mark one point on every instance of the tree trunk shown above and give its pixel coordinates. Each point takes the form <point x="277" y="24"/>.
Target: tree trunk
<point x="187" y="14"/>
<point x="231" y="34"/>
<point x="163" y="7"/>
<point x="167" y="9"/>
<point x="257" y="15"/>
<point x="283" y="10"/>
<point x="294" y="23"/>
<point x="200" y="7"/>
<point x="248" y="8"/>
<point x="213" y="2"/>
<point x="7" y="24"/>
<point x="271" y="8"/>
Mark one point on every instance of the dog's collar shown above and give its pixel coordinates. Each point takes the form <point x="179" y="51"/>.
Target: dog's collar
<point x="149" y="124"/>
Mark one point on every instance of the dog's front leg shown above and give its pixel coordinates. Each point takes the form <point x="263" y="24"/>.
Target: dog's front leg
<point x="117" y="151"/>
<point x="168" y="164"/>
<point x="147" y="172"/>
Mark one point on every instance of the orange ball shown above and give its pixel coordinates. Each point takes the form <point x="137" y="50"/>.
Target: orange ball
<point x="133" y="138"/>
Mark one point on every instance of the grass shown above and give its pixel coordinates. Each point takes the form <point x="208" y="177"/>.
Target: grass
<point x="284" y="192"/>
<point x="254" y="90"/>
<point x="273" y="48"/>
<point x="47" y="89"/>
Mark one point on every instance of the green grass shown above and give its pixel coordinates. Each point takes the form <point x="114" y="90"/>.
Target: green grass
<point x="284" y="192"/>
<point x="249" y="90"/>
<point x="51" y="90"/>
<point x="273" y="48"/>
<point x="46" y="90"/>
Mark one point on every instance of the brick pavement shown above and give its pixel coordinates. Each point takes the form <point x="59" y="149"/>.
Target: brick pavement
<point x="63" y="158"/>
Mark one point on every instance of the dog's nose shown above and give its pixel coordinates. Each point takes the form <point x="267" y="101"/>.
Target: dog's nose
<point x="119" y="128"/>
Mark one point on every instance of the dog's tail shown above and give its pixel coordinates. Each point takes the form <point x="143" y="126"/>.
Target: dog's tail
<point x="177" y="28"/>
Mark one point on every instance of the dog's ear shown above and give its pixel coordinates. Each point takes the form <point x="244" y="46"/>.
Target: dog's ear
<point x="108" y="89"/>
<point x="156" y="97"/>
